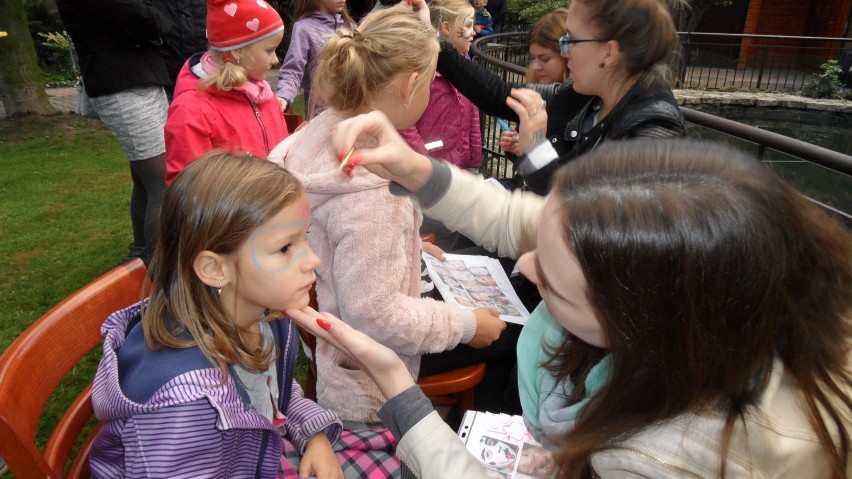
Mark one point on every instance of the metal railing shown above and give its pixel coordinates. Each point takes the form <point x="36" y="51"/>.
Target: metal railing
<point x="711" y="61"/>
<point x="719" y="61"/>
<point x="504" y="54"/>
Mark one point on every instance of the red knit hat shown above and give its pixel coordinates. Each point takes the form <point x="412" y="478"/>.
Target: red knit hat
<point x="233" y="24"/>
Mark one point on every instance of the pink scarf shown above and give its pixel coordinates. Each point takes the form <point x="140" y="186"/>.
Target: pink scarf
<point x="258" y="91"/>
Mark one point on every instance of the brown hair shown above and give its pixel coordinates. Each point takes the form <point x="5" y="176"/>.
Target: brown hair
<point x="643" y="28"/>
<point x="355" y="65"/>
<point x="212" y="205"/>
<point x="307" y="7"/>
<point x="703" y="268"/>
<point x="546" y="32"/>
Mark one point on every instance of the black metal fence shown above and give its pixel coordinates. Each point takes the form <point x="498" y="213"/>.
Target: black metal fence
<point x="711" y="61"/>
<point x="720" y="61"/>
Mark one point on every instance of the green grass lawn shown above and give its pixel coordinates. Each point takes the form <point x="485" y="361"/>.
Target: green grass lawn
<point x="64" y="220"/>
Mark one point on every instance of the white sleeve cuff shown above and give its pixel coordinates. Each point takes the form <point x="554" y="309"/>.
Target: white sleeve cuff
<point x="537" y="158"/>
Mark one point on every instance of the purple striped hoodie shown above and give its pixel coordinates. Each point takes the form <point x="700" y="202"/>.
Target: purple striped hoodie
<point x="165" y="414"/>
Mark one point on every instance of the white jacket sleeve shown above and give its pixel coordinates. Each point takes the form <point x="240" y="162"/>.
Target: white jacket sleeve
<point x="499" y="220"/>
<point x="426" y="444"/>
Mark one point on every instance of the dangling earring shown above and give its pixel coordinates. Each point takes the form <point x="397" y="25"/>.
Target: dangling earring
<point x="219" y="290"/>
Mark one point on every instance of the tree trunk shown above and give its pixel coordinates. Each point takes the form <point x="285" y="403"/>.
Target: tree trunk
<point x="21" y="81"/>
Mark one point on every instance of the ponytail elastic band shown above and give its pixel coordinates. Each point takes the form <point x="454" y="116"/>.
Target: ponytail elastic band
<point x="351" y="34"/>
<point x="226" y="57"/>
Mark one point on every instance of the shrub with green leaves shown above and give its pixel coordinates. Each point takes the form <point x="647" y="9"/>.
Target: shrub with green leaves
<point x="826" y="84"/>
<point x="523" y="13"/>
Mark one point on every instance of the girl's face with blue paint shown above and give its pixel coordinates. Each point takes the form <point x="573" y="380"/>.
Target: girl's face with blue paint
<point x="275" y="266"/>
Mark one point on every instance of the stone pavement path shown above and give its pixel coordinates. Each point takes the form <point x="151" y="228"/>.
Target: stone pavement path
<point x="64" y="99"/>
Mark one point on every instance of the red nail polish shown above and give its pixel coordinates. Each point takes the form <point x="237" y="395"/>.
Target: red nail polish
<point x="323" y="324"/>
<point x="342" y="154"/>
<point x="355" y="160"/>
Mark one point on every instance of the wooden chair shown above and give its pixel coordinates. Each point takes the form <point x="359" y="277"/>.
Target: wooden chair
<point x="450" y="388"/>
<point x="35" y="364"/>
<point x="293" y="120"/>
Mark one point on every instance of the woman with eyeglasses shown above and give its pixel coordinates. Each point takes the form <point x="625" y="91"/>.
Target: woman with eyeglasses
<point x="616" y="52"/>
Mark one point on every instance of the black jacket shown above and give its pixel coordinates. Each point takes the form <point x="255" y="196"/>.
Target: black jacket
<point x="188" y="35"/>
<point x="115" y="43"/>
<point x="648" y="109"/>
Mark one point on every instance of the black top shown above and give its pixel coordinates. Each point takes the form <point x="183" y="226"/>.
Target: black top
<point x="648" y="109"/>
<point x="115" y="43"/>
<point x="187" y="36"/>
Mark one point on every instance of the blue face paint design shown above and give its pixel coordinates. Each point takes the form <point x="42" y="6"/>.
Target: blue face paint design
<point x="294" y="255"/>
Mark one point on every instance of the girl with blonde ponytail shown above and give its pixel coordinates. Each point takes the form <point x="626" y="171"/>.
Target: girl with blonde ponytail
<point x="366" y="237"/>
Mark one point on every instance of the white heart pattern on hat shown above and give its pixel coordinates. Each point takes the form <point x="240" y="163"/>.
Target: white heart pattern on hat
<point x="262" y="4"/>
<point x="231" y="9"/>
<point x="253" y="24"/>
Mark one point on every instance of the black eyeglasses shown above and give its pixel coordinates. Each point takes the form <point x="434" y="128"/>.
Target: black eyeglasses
<point x="565" y="42"/>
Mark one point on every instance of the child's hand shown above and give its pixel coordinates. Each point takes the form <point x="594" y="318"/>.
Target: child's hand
<point x="283" y="104"/>
<point x="531" y="110"/>
<point x="434" y="250"/>
<point x="509" y="142"/>
<point x="489" y="327"/>
<point x="319" y="459"/>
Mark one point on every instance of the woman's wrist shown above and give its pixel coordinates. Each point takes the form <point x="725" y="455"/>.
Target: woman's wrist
<point x="393" y="382"/>
<point x="436" y="179"/>
<point x="404" y="410"/>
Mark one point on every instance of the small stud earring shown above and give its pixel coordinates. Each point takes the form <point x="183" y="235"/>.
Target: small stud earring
<point x="602" y="65"/>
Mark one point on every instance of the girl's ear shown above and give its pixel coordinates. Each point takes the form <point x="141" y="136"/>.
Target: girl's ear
<point x="410" y="83"/>
<point x="212" y="269"/>
<point x="238" y="55"/>
<point x="445" y="29"/>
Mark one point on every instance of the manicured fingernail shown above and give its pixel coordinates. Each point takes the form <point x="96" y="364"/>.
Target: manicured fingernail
<point x="356" y="160"/>
<point x="323" y="324"/>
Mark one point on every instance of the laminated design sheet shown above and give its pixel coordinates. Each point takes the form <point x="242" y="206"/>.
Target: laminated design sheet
<point x="476" y="282"/>
<point x="504" y="446"/>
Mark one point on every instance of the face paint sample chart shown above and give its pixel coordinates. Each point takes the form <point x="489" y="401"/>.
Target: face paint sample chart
<point x="502" y="444"/>
<point x="476" y="282"/>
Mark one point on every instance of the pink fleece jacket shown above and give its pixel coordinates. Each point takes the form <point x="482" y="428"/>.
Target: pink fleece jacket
<point x="370" y="247"/>
<point x="450" y="126"/>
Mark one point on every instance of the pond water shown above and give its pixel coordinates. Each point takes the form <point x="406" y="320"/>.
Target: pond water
<point x="827" y="129"/>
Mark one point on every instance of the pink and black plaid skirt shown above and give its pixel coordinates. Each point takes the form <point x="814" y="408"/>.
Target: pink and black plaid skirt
<point x="369" y="454"/>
